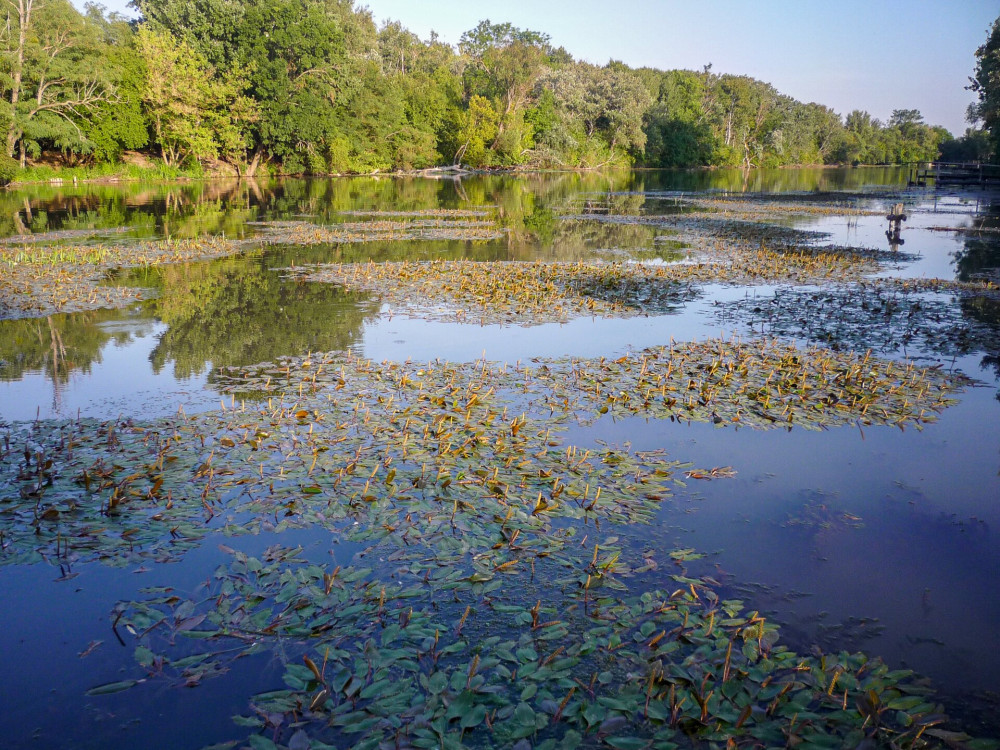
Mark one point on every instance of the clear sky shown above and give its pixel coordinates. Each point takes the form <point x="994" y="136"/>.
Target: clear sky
<point x="875" y="55"/>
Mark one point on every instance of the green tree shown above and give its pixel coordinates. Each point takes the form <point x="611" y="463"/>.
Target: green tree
<point x="296" y="62"/>
<point x="473" y="131"/>
<point x="604" y="106"/>
<point x="53" y="60"/>
<point x="677" y="126"/>
<point x="986" y="84"/>
<point x="860" y="142"/>
<point x="114" y="126"/>
<point x="505" y="62"/>
<point x="744" y="105"/>
<point x="194" y="115"/>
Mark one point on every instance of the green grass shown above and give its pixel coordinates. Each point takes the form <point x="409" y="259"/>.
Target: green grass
<point x="159" y="171"/>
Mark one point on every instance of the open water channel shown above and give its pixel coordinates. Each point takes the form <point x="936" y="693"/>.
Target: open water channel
<point x="871" y="538"/>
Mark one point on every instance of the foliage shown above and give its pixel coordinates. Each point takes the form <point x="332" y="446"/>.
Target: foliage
<point x="313" y="86"/>
<point x="974" y="146"/>
<point x="54" y="76"/>
<point x="986" y="84"/>
<point x="8" y="169"/>
<point x="121" y="124"/>
<point x="601" y="110"/>
<point x="194" y="115"/>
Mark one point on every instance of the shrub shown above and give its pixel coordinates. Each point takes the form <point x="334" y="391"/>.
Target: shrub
<point x="8" y="169"/>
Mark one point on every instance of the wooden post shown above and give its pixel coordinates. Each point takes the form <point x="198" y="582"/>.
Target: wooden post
<point x="896" y="218"/>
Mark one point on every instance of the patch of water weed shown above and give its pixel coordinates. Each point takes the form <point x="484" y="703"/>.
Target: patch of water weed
<point x="699" y="227"/>
<point x="448" y="213"/>
<point x="762" y="207"/>
<point x="522" y="293"/>
<point x="394" y="449"/>
<point x="532" y="293"/>
<point x="880" y="256"/>
<point x="433" y="655"/>
<point x="381" y="228"/>
<point x="41" y="279"/>
<point x="491" y="602"/>
<point x="945" y="318"/>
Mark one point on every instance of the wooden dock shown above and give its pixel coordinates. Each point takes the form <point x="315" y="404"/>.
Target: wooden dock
<point x="985" y="176"/>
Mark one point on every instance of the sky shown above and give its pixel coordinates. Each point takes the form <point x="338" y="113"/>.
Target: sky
<point x="875" y="55"/>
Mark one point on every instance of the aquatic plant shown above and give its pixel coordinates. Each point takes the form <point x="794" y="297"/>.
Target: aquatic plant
<point x="328" y="440"/>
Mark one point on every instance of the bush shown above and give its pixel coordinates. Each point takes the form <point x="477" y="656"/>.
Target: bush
<point x="8" y="169"/>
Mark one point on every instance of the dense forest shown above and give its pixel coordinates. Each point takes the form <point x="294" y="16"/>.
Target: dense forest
<point x="315" y="87"/>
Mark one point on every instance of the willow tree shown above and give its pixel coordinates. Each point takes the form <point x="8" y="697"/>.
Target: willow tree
<point x="602" y="107"/>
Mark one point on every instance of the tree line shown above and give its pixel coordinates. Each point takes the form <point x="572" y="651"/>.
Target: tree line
<point x="316" y="87"/>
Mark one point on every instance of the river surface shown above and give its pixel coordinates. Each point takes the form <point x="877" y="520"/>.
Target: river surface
<point x="876" y="539"/>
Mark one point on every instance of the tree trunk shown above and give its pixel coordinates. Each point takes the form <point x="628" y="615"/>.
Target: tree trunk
<point x="24" y="21"/>
<point x="254" y="164"/>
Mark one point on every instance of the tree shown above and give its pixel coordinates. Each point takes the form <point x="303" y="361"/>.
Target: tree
<point x="474" y="129"/>
<point x="505" y="64"/>
<point x="194" y="115"/>
<point x="209" y="27"/>
<point x="677" y="127"/>
<point x="602" y="107"/>
<point x="54" y="59"/>
<point x="744" y="106"/>
<point x="860" y="139"/>
<point x="986" y="84"/>
<point x="119" y="124"/>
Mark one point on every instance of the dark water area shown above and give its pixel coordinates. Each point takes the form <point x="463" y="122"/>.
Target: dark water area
<point x="875" y="539"/>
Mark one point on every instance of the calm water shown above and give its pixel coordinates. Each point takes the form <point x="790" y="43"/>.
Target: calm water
<point x="916" y="581"/>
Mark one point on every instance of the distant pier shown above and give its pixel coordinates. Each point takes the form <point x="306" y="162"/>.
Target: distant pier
<point x="965" y="174"/>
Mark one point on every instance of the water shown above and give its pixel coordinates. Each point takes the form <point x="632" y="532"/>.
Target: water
<point x="914" y="579"/>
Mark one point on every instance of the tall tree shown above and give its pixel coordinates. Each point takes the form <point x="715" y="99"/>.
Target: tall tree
<point x="195" y="115"/>
<point x="55" y="79"/>
<point x="986" y="84"/>
<point x="505" y="63"/>
<point x="605" y="107"/>
<point x="118" y="124"/>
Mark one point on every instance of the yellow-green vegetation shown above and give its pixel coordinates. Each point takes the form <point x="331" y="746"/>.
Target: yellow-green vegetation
<point x="415" y="227"/>
<point x="769" y="210"/>
<point x="529" y="293"/>
<point x="338" y="427"/>
<point x="42" y="279"/>
<point x="375" y="99"/>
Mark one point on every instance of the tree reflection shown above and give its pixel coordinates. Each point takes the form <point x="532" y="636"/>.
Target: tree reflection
<point x="980" y="256"/>
<point x="237" y="311"/>
<point x="58" y="345"/>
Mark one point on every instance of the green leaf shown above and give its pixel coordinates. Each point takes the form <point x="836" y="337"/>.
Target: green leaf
<point x="261" y="743"/>
<point x="112" y="687"/>
<point x="437" y="682"/>
<point x="474" y="717"/>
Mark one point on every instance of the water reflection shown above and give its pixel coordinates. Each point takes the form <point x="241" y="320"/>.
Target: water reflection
<point x="188" y="209"/>
<point x="56" y="345"/>
<point x="237" y="311"/>
<point x="979" y="258"/>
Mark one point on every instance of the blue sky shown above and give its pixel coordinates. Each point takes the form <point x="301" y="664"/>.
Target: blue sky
<point x="876" y="55"/>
